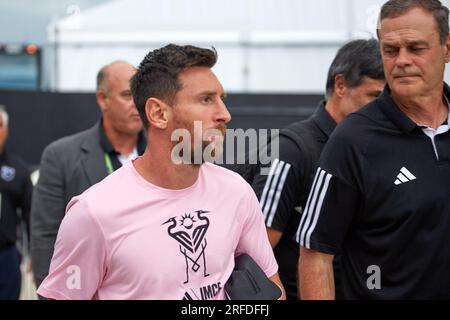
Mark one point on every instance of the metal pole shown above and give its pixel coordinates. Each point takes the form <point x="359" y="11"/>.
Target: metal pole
<point x="56" y="60"/>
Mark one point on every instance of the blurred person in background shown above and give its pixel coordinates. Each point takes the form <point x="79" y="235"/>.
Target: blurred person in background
<point x="15" y="193"/>
<point x="72" y="164"/>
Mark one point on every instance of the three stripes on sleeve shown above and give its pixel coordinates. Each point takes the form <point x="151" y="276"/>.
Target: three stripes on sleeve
<point x="313" y="207"/>
<point x="271" y="196"/>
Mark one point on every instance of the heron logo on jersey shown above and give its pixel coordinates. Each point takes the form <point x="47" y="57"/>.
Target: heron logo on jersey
<point x="190" y="230"/>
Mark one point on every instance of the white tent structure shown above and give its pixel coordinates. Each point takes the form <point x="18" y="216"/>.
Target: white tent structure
<point x="276" y="46"/>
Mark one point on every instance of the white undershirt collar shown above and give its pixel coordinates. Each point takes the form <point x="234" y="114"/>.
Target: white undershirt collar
<point x="124" y="159"/>
<point x="443" y="128"/>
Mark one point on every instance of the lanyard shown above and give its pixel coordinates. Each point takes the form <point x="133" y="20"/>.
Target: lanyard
<point x="109" y="166"/>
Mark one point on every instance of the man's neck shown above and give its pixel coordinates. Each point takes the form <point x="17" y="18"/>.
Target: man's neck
<point x="430" y="111"/>
<point x="121" y="142"/>
<point x="159" y="169"/>
<point x="332" y="109"/>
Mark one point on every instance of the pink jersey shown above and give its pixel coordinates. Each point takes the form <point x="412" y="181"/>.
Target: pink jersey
<point x="125" y="238"/>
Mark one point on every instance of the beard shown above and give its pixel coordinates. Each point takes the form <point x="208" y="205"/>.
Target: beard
<point x="205" y="148"/>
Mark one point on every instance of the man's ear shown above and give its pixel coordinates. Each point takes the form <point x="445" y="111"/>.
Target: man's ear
<point x="447" y="49"/>
<point x="340" y="85"/>
<point x="101" y="97"/>
<point x="157" y="113"/>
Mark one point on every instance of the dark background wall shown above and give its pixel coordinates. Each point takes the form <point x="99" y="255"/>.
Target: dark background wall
<point x="38" y="118"/>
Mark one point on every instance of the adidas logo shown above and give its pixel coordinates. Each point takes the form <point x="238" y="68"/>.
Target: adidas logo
<point x="404" y="176"/>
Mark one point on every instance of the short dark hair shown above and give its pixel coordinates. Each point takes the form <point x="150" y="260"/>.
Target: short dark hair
<point x="157" y="75"/>
<point x="395" y="8"/>
<point x="355" y="61"/>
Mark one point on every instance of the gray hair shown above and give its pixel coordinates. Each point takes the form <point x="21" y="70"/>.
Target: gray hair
<point x="395" y="8"/>
<point x="355" y="61"/>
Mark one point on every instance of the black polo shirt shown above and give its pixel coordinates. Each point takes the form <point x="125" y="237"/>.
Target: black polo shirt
<point x="15" y="193"/>
<point x="279" y="194"/>
<point x="113" y="155"/>
<point x="381" y="197"/>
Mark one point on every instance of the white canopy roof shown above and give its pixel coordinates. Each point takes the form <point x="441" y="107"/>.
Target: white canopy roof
<point x="263" y="45"/>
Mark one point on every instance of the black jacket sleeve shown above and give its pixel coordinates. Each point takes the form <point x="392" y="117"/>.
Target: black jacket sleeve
<point x="47" y="212"/>
<point x="278" y="192"/>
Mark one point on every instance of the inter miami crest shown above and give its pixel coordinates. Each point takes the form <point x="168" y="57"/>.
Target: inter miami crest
<point x="190" y="230"/>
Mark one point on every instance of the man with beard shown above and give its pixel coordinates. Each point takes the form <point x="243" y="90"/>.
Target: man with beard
<point x="167" y="225"/>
